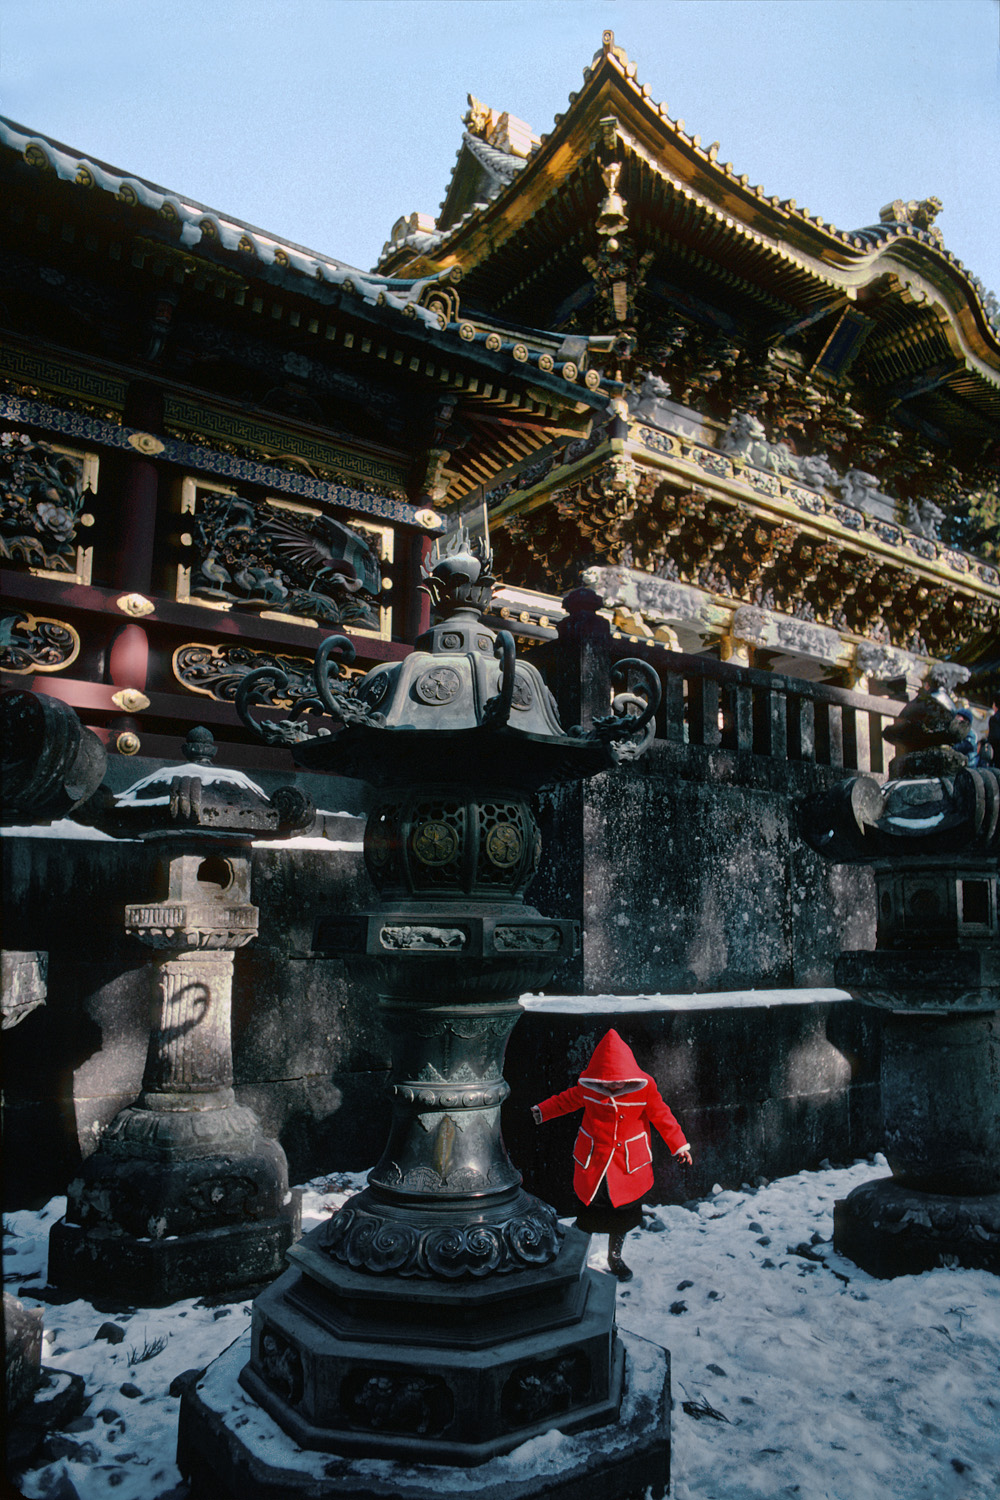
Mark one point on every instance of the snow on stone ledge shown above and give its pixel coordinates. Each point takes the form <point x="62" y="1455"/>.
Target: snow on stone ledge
<point x="564" y="1005"/>
<point x="62" y="828"/>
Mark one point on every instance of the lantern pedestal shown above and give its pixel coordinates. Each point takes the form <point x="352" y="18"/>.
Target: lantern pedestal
<point x="185" y="1195"/>
<point x="932" y="835"/>
<point x="231" y="1448"/>
<point x="891" y="1230"/>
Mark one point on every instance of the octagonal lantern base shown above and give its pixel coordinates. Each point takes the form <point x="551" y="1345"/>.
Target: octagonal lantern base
<point x="890" y="1230"/>
<point x="448" y="1373"/>
<point x="230" y="1448"/>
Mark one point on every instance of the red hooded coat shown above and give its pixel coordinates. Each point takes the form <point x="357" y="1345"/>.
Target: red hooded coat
<point x="614" y="1140"/>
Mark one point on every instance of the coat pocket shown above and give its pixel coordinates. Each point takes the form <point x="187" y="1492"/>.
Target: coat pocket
<point x="638" y="1153"/>
<point x="584" y="1149"/>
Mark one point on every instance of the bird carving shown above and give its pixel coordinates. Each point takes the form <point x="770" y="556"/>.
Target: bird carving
<point x="331" y="555"/>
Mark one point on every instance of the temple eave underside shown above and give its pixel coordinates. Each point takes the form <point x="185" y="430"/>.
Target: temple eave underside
<point x="697" y="551"/>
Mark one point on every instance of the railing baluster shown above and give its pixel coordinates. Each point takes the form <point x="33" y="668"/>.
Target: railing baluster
<point x="835" y="740"/>
<point x="807" y="729"/>
<point x="850" y="737"/>
<point x="876" y="744"/>
<point x="673" y="707"/>
<point x="777" y="720"/>
<point x="703" y="709"/>
<point x="862" y="739"/>
<point x="737" y="711"/>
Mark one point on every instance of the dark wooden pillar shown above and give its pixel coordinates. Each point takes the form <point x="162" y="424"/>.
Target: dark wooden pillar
<point x="134" y="554"/>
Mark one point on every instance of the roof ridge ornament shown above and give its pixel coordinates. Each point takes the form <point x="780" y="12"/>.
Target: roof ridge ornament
<point x="608" y="49"/>
<point x="499" y="129"/>
<point x="918" y="213"/>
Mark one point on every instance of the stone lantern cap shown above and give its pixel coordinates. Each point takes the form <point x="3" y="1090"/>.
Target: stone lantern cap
<point x="214" y="800"/>
<point x="459" y="705"/>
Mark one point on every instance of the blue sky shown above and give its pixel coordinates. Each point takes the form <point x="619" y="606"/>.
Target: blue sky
<point x="325" y="120"/>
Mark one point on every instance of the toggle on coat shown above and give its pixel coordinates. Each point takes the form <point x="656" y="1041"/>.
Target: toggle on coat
<point x="614" y="1140"/>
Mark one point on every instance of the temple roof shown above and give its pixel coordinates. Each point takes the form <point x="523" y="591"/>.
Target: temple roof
<point x="726" y="252"/>
<point x="93" y="225"/>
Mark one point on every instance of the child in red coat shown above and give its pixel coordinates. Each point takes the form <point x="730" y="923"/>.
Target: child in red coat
<point x="613" y="1153"/>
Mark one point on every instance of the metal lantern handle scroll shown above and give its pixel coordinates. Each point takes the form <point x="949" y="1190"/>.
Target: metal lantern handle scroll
<point x="620" y="724"/>
<point x="284" y="731"/>
<point x="323" y="670"/>
<point x="497" y="711"/>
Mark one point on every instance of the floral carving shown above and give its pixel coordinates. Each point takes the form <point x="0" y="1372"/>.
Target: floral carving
<point x="281" y="1365"/>
<point x="385" y="1402"/>
<point x="540" y="1390"/>
<point x="218" y="671"/>
<point x="383" y="1246"/>
<point x="42" y="495"/>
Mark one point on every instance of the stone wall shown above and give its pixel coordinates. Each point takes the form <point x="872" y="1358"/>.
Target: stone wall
<point x="761" y="1085"/>
<point x="686" y="873"/>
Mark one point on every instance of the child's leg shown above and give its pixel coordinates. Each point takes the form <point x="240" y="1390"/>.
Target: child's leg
<point x="616" y="1265"/>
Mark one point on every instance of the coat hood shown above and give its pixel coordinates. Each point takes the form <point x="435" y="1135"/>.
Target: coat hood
<point x="613" y="1062"/>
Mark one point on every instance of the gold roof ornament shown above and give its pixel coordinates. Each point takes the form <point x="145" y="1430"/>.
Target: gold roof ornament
<point x="479" y="119"/>
<point x="608" y="48"/>
<point x="505" y="132"/>
<point x="612" y="219"/>
<point x="920" y="213"/>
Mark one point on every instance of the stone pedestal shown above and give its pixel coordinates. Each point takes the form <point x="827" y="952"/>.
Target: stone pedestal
<point x="185" y="1196"/>
<point x="23" y="983"/>
<point x="231" y="1448"/>
<point x="22" y="1337"/>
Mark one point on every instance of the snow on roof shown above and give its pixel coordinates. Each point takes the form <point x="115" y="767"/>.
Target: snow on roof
<point x="202" y="226"/>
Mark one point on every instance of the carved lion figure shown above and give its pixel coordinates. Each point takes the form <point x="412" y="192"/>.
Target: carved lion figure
<point x="816" y="472"/>
<point x="745" y="438"/>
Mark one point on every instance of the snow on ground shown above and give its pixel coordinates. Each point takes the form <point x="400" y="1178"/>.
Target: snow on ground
<point x="794" y="1373"/>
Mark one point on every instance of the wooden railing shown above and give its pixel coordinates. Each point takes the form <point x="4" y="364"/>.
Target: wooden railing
<point x="719" y="705"/>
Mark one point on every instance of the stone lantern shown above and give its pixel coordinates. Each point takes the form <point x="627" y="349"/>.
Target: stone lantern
<point x="443" y="1316"/>
<point x="185" y="1195"/>
<point x="931" y="835"/>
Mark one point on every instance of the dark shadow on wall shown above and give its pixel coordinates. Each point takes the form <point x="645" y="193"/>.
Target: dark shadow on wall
<point x="68" y="1069"/>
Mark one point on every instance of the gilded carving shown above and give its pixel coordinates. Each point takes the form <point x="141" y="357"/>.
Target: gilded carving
<point x="34" y="643"/>
<point x="276" y="557"/>
<point x="435" y="843"/>
<point x="136" y="605"/>
<point x="920" y="213"/>
<point x="217" y="671"/>
<point x="130" y="700"/>
<point x="503" y="846"/>
<point x="43" y="489"/>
